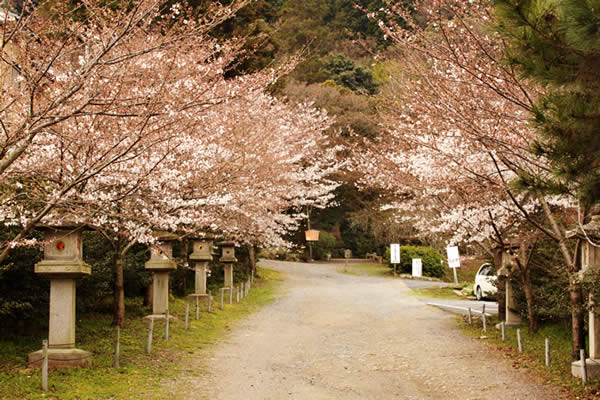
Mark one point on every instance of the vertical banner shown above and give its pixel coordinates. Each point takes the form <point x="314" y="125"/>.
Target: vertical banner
<point x="395" y="253"/>
<point x="453" y="257"/>
<point x="417" y="267"/>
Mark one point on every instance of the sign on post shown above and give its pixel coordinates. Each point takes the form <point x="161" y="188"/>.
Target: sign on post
<point x="453" y="257"/>
<point x="453" y="261"/>
<point x="395" y="255"/>
<point x="417" y="267"/>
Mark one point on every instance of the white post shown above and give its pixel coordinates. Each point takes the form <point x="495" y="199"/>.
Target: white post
<point x="209" y="301"/>
<point x="167" y="325"/>
<point x="455" y="277"/>
<point x="149" y="346"/>
<point x="470" y="317"/>
<point x="117" y="347"/>
<point x="503" y="326"/>
<point x="547" y="345"/>
<point x="198" y="308"/>
<point x="483" y="318"/>
<point x="187" y="315"/>
<point x="583" y="366"/>
<point x="519" y="342"/>
<point x="45" y="365"/>
<point x="222" y="294"/>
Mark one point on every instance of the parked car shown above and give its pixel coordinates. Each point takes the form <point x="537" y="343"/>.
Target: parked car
<point x="485" y="281"/>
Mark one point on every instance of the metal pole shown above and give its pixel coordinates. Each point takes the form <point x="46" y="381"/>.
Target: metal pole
<point x="394" y="269"/>
<point x="519" y="342"/>
<point x="455" y="277"/>
<point x="222" y="294"/>
<point x="149" y="346"/>
<point x="503" y="326"/>
<point x="470" y="317"/>
<point x="547" y="345"/>
<point x="117" y="347"/>
<point x="45" y="365"/>
<point x="209" y="301"/>
<point x="231" y="295"/>
<point x="198" y="309"/>
<point x="583" y="367"/>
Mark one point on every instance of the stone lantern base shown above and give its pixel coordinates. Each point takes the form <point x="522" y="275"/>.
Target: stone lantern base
<point x="592" y="368"/>
<point x="61" y="358"/>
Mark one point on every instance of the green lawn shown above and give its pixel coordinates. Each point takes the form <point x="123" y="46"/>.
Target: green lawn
<point x="532" y="358"/>
<point x="140" y="375"/>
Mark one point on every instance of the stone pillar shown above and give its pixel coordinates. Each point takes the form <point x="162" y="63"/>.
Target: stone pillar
<point x="228" y="268"/>
<point x="62" y="264"/>
<point x="161" y="264"/>
<point x="513" y="318"/>
<point x="590" y="263"/>
<point x="200" y="280"/>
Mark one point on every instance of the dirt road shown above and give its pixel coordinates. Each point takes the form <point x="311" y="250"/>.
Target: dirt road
<point x="336" y="336"/>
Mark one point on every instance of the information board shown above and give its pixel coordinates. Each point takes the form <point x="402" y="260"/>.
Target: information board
<point x="453" y="257"/>
<point x="395" y="253"/>
<point x="417" y="267"/>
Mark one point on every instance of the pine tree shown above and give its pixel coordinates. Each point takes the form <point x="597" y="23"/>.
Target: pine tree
<point x="556" y="45"/>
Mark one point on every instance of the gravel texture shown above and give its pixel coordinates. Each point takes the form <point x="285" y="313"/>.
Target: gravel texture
<point x="336" y="336"/>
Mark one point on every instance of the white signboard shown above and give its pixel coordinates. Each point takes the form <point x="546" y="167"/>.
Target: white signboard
<point x="417" y="267"/>
<point x="395" y="253"/>
<point x="453" y="258"/>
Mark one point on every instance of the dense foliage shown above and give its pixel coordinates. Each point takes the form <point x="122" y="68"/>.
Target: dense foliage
<point x="431" y="259"/>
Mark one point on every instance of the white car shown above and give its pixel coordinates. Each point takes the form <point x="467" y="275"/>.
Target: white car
<point x="485" y="281"/>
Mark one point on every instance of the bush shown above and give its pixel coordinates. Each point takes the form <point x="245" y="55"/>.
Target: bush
<point x="324" y="246"/>
<point x="432" y="260"/>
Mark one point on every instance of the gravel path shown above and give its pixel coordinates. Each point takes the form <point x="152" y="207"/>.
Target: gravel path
<point x="335" y="336"/>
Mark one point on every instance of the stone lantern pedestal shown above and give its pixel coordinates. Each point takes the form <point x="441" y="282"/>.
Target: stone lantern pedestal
<point x="161" y="264"/>
<point x="513" y="318"/>
<point x="201" y="256"/>
<point x="590" y="263"/>
<point x="62" y="264"/>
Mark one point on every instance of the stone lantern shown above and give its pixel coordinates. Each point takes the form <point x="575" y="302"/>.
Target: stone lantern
<point x="62" y="264"/>
<point x="161" y="263"/>
<point x="228" y="258"/>
<point x="590" y="264"/>
<point x="201" y="256"/>
<point x="512" y="316"/>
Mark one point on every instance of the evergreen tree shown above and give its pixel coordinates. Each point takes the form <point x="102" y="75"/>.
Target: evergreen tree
<point x="556" y="44"/>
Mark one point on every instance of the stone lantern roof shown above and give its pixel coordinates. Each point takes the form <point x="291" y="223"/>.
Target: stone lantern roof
<point x="590" y="230"/>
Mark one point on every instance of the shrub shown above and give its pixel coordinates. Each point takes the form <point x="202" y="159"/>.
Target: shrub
<point x="324" y="246"/>
<point x="431" y="259"/>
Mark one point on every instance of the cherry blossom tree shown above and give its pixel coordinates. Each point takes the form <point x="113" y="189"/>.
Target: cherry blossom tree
<point x="460" y="132"/>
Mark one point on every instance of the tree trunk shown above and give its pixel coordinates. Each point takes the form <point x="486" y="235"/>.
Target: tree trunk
<point x="501" y="285"/>
<point x="577" y="316"/>
<point x="119" y="292"/>
<point x="251" y="256"/>
<point x="528" y="289"/>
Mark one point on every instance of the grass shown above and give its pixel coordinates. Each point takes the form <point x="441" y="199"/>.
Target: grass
<point x="437" y="293"/>
<point x="366" y="269"/>
<point x="533" y="359"/>
<point x="141" y="375"/>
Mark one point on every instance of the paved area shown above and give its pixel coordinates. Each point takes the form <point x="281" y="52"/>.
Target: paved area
<point x="336" y="336"/>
